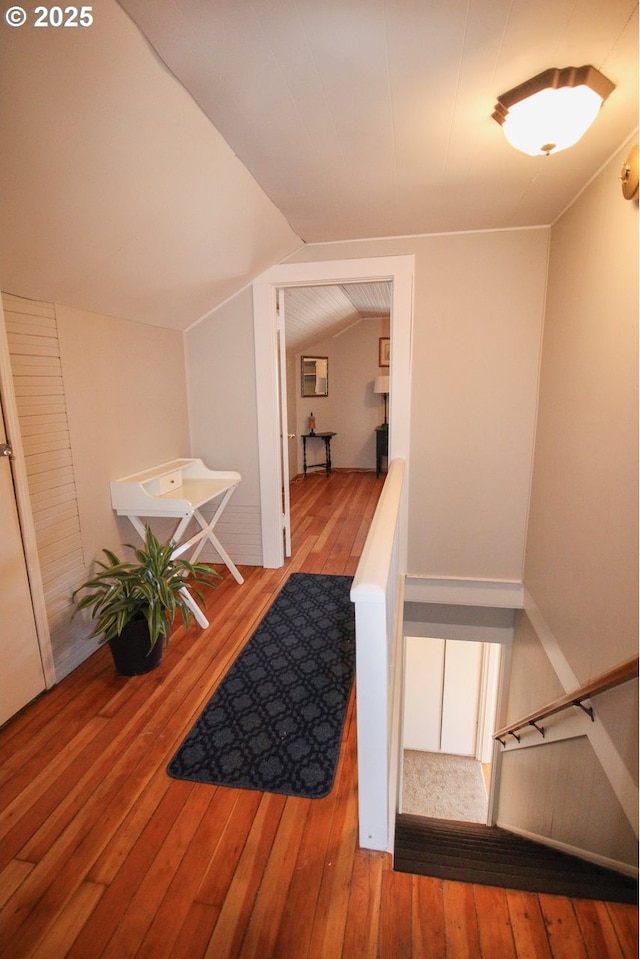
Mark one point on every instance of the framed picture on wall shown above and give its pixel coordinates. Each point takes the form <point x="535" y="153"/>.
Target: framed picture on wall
<point x="384" y="350"/>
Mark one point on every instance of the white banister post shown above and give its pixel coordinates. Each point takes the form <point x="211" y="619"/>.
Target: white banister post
<point x="373" y="720"/>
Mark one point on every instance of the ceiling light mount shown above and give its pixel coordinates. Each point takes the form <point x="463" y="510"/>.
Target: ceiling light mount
<point x="553" y="110"/>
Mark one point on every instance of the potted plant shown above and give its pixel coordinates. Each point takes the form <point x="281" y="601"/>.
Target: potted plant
<point x="134" y="603"/>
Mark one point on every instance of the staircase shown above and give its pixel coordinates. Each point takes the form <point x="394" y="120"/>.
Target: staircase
<point x="488" y="855"/>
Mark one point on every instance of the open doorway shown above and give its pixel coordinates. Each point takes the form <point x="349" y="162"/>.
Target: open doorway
<point x="398" y="271"/>
<point x="450" y="697"/>
<point x="329" y="421"/>
<point x="337" y="329"/>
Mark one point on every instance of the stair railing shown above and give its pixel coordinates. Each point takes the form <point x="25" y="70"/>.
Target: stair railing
<point x="622" y="673"/>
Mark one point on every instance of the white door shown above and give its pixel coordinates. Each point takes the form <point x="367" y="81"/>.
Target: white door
<point x="284" y="426"/>
<point x="22" y="673"/>
<point x="447" y="693"/>
<point x="460" y="697"/>
<point x="423" y="679"/>
<point x="291" y="417"/>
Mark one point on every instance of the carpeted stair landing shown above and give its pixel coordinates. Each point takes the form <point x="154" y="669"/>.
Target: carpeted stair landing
<point x="490" y="856"/>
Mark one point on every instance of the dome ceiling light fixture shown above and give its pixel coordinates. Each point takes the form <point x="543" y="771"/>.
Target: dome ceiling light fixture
<point x="553" y="110"/>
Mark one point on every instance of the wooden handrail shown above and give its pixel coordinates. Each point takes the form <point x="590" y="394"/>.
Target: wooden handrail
<point x="620" y="674"/>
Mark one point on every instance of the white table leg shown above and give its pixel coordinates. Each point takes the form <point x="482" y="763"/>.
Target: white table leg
<point x="209" y="527"/>
<point x="197" y="541"/>
<point x="217" y="545"/>
<point x="198" y="615"/>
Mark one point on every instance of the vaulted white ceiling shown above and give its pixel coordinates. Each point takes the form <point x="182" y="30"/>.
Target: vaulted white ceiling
<point x="367" y="118"/>
<point x="118" y="195"/>
<point x="153" y="166"/>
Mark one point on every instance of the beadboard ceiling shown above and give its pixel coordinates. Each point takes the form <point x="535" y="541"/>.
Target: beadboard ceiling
<point x="155" y="163"/>
<point x="313" y="313"/>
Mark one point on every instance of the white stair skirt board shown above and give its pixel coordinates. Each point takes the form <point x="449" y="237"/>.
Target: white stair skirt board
<point x="443" y="786"/>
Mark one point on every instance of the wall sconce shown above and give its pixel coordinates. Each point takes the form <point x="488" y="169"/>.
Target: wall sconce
<point x="553" y="110"/>
<point x="629" y="175"/>
<point x="381" y="385"/>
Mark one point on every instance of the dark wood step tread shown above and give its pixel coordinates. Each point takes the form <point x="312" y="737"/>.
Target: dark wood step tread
<point x="489" y="855"/>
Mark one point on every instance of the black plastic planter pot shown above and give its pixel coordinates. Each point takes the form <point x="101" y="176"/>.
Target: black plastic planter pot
<point x="131" y="650"/>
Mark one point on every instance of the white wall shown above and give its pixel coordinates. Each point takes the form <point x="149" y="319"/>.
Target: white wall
<point x="126" y="400"/>
<point x="582" y="555"/>
<point x="581" y="572"/>
<point x="477" y="329"/>
<point x="222" y="411"/>
<point x="478" y="311"/>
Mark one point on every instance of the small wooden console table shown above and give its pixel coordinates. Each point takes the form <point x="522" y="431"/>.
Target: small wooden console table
<point x="327" y="448"/>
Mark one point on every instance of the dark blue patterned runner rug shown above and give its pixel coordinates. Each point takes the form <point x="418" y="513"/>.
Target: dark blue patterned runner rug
<point x="275" y="722"/>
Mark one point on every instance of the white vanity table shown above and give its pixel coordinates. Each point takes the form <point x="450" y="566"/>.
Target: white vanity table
<point x="179" y="488"/>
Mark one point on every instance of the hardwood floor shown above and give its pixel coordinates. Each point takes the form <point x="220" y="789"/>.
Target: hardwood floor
<point x="103" y="855"/>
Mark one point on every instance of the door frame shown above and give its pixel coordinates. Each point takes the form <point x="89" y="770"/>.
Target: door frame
<point x="399" y="271"/>
<point x="23" y="503"/>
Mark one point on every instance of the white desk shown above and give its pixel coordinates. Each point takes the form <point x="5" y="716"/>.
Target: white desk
<point x="179" y="489"/>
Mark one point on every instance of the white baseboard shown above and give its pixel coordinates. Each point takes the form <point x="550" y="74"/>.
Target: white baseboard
<point x="592" y="857"/>
<point x="464" y="592"/>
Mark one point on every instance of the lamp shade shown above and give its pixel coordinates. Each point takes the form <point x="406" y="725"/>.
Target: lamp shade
<point x="381" y="384"/>
<point x="553" y="110"/>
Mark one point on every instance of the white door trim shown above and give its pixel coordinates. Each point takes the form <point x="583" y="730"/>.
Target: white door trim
<point x="399" y="270"/>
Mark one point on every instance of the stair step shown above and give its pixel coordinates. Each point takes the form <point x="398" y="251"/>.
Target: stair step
<point x="488" y="855"/>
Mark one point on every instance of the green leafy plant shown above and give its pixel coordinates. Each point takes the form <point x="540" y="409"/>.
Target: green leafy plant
<point x="149" y="588"/>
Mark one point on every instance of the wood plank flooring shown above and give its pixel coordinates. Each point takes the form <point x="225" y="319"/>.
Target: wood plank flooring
<point x="103" y="856"/>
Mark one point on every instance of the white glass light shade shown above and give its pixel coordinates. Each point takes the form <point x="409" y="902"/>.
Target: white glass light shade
<point x="551" y="120"/>
<point x="553" y="110"/>
<point x="381" y="384"/>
